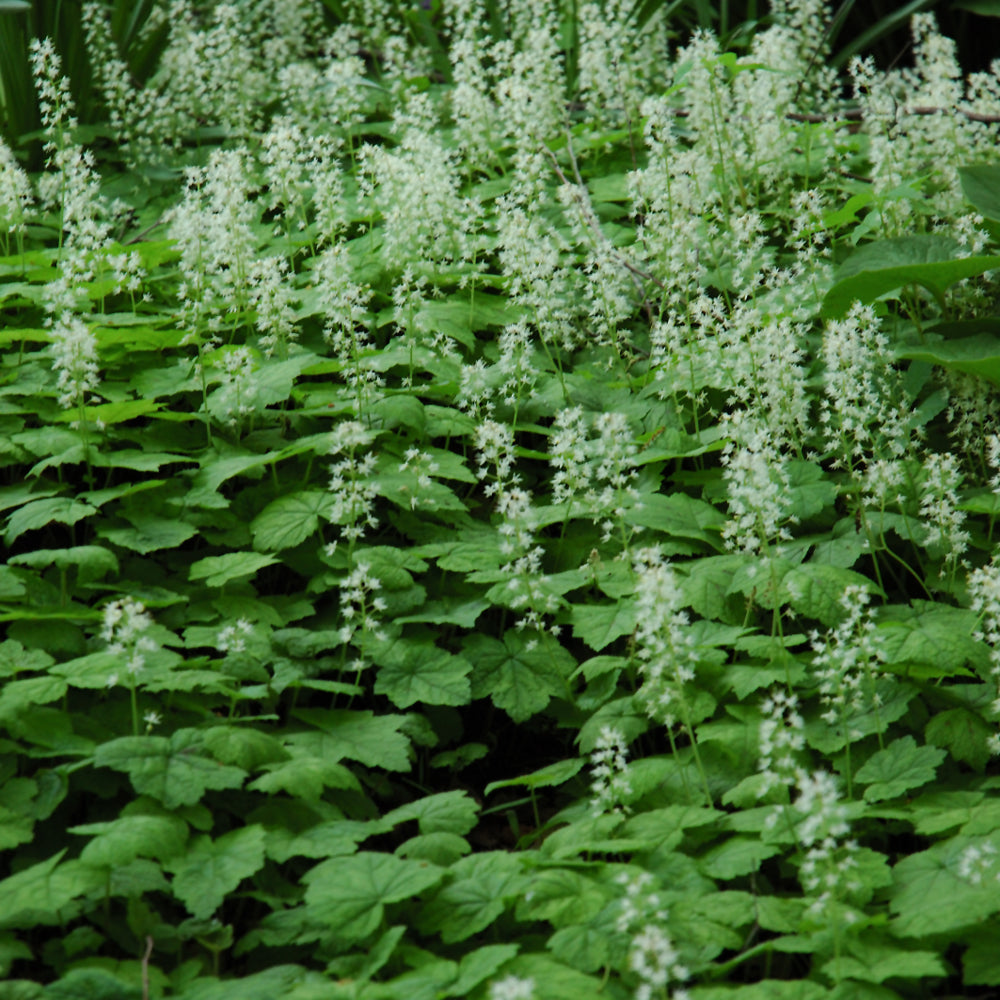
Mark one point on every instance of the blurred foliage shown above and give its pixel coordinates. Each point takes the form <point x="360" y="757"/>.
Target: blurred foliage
<point x="876" y="27"/>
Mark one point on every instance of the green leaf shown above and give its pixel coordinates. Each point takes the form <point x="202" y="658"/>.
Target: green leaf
<point x="217" y="571"/>
<point x="679" y="515"/>
<point x="981" y="961"/>
<point x="150" y="533"/>
<point x="15" y="696"/>
<point x="211" y="869"/>
<point x="737" y="856"/>
<point x="553" y="774"/>
<point x="520" y="674"/>
<point x="420" y="672"/>
<point x="445" y="812"/>
<point x="347" y="896"/>
<point x="374" y="740"/>
<point x="929" y="896"/>
<point x="92" y="562"/>
<point x="561" y="897"/>
<point x="598" y="625"/>
<point x="981" y="183"/>
<point x="963" y="734"/>
<point x="289" y="520"/>
<point x="172" y="770"/>
<point x="111" y="413"/>
<point x="902" y="765"/>
<point x="38" y="513"/>
<point x="931" y="641"/>
<point x="244" y="746"/>
<point x="447" y="612"/>
<point x="875" y="961"/>
<point x="883" y="266"/>
<point x="815" y="590"/>
<point x="479" y="891"/>
<point x="37" y="894"/>
<point x="477" y="966"/>
<point x="304" y="777"/>
<point x="978" y="355"/>
<point x="767" y="989"/>
<point x="122" y="840"/>
<point x="557" y="981"/>
<point x="91" y="984"/>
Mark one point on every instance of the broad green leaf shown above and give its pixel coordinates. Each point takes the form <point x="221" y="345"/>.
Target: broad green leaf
<point x="679" y="515"/>
<point x="324" y="840"/>
<point x="17" y="695"/>
<point x="112" y="413"/>
<point x="562" y="896"/>
<point x="553" y="774"/>
<point x="92" y="562"/>
<point x="374" y="740"/>
<point x="442" y="849"/>
<point x="445" y="812"/>
<point x="978" y="355"/>
<point x="810" y="492"/>
<point x="304" y="777"/>
<point x="598" y="625"/>
<point x="209" y="870"/>
<point x="121" y="840"/>
<point x="39" y="513"/>
<point x="244" y="746"/>
<point x="769" y="989"/>
<point x="582" y="946"/>
<point x="815" y="590"/>
<point x="930" y="641"/>
<point x="481" y="888"/>
<point x="91" y="984"/>
<point x="411" y="673"/>
<point x="883" y="266"/>
<point x="737" y="856"/>
<point x="520" y="674"/>
<point x="150" y="533"/>
<point x="445" y="612"/>
<point x="348" y="895"/>
<point x="981" y="961"/>
<point x="560" y="981"/>
<point x="172" y="770"/>
<point x="38" y="894"/>
<point x="477" y="966"/>
<point x="902" y="765"/>
<point x="931" y="897"/>
<point x="981" y="183"/>
<point x="875" y="961"/>
<point x="217" y="469"/>
<point x="964" y="734"/>
<point x="217" y="571"/>
<point x="289" y="520"/>
<point x="706" y="586"/>
<point x="878" y="710"/>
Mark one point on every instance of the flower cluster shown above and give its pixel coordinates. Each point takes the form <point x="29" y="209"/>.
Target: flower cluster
<point x="351" y="483"/>
<point x="125" y="623"/>
<point x="781" y="739"/>
<point x="512" y="988"/>
<point x="846" y="661"/>
<point x="830" y="857"/>
<point x="664" y="645"/>
<point x="609" y="771"/>
<point x="359" y="604"/>
<point x="984" y="594"/>
<point x="652" y="957"/>
<point x="74" y="359"/>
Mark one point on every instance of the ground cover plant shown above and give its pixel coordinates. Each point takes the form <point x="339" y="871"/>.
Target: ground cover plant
<point x="499" y="503"/>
